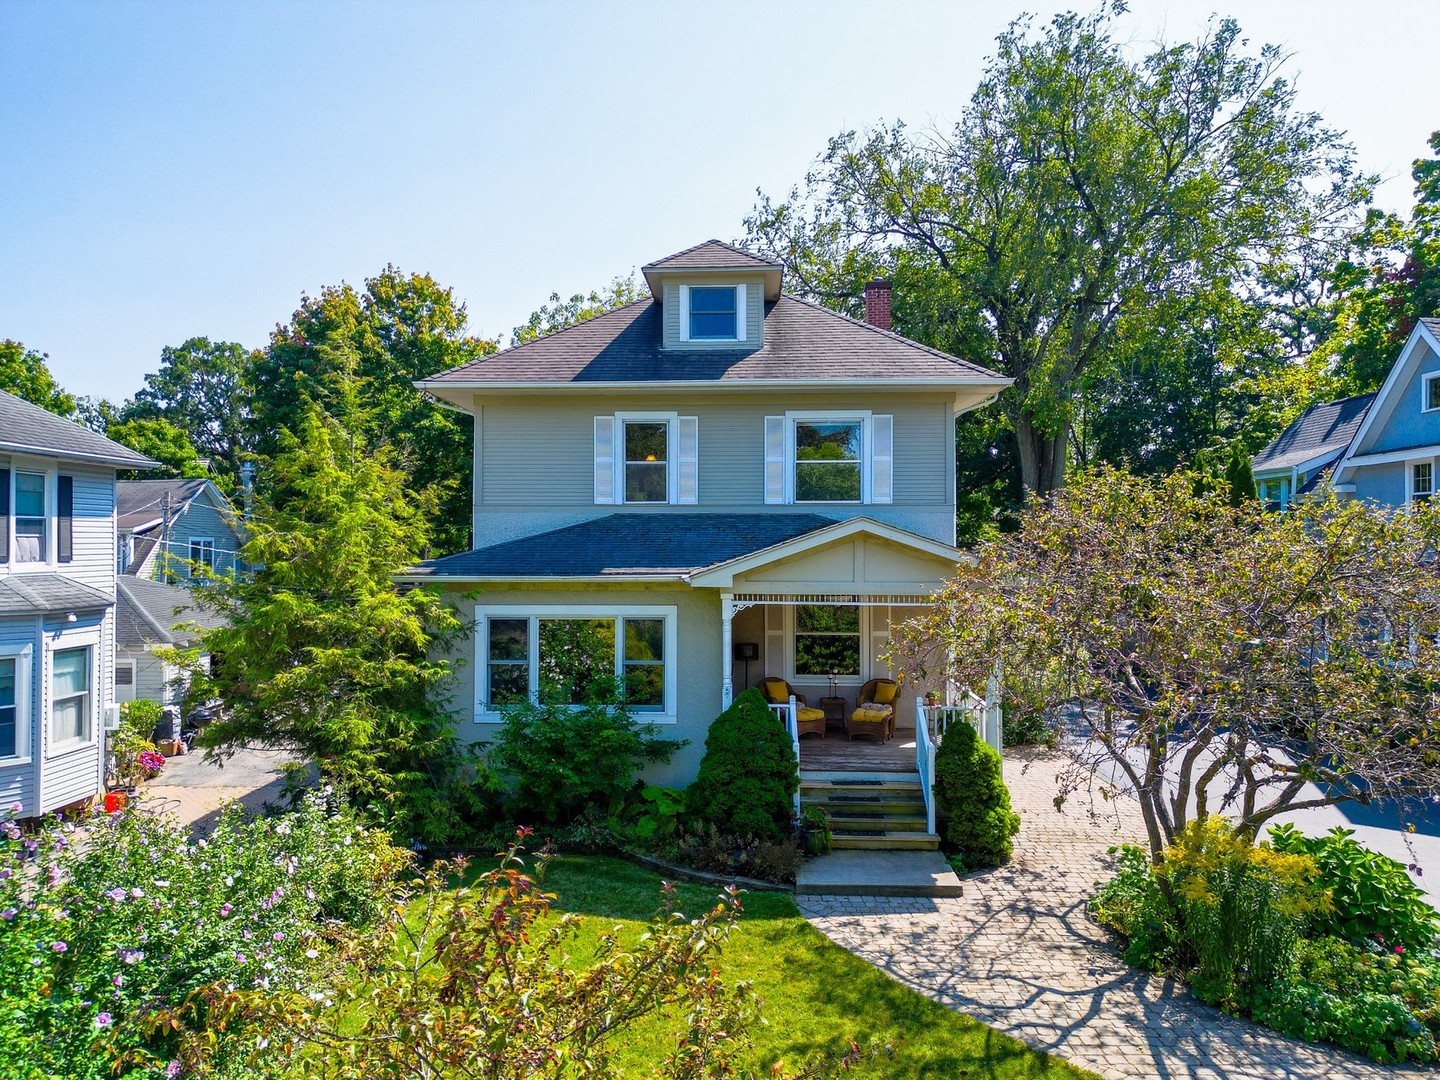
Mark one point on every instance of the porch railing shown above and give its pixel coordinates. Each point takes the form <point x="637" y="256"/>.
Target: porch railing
<point x="925" y="745"/>
<point x="931" y="721"/>
<point x="786" y="714"/>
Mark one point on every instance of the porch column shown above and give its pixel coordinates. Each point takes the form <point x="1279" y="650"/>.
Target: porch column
<point x="727" y="612"/>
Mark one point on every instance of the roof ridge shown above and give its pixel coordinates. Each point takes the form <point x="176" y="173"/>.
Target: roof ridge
<point x="891" y="334"/>
<point x="706" y="243"/>
<point x="122" y="586"/>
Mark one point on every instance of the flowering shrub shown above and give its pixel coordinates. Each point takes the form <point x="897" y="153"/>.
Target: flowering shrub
<point x="152" y="761"/>
<point x="131" y="741"/>
<point x="104" y="922"/>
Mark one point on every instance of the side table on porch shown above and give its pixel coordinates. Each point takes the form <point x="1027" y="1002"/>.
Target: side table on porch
<point x="834" y="712"/>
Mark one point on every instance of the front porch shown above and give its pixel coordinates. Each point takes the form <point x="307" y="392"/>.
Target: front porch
<point x="836" y="753"/>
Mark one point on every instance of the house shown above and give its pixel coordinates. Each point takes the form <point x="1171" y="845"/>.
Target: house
<point x="1382" y="447"/>
<point x="149" y="617"/>
<point x="191" y="520"/>
<point x="714" y="472"/>
<point x="57" y="605"/>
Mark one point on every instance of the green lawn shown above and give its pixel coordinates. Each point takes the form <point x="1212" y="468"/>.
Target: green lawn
<point x="816" y="996"/>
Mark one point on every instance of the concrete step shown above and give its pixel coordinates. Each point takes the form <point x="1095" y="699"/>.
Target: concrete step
<point x="873" y="823"/>
<point x="877" y="873"/>
<point x="885" y="841"/>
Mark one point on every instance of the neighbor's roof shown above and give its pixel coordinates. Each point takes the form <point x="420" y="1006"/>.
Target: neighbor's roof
<point x="662" y="545"/>
<point x="146" y="613"/>
<point x="29" y="429"/>
<point x="1319" y="431"/>
<point x="711" y="255"/>
<point x="140" y="502"/>
<point x="803" y="342"/>
<point x="47" y="594"/>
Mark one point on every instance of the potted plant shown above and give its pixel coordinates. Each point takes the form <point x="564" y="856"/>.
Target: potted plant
<point x="815" y="831"/>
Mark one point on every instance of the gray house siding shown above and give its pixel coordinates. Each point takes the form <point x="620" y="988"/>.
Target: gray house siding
<point x="754" y="312"/>
<point x="17" y="781"/>
<point x="70" y="774"/>
<point x="534" y="459"/>
<point x="201" y="518"/>
<point x="94" y="529"/>
<point x="1407" y="424"/>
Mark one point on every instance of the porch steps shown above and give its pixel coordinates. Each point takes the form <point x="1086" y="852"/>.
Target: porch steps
<point x="871" y="811"/>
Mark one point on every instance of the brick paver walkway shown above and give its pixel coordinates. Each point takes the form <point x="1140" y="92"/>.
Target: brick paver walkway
<point x="194" y="790"/>
<point x="1020" y="952"/>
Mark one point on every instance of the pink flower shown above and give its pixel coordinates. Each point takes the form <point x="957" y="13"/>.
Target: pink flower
<point x="1399" y="949"/>
<point x="104" y="1020"/>
<point x="172" y="1070"/>
<point x="225" y="910"/>
<point x="59" y="946"/>
<point x="118" y="980"/>
<point x="9" y="914"/>
<point x="117" y="894"/>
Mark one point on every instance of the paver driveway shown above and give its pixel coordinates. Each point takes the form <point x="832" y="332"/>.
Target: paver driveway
<point x="194" y="790"/>
<point x="1020" y="952"/>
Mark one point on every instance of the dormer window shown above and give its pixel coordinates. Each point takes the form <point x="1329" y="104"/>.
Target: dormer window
<point x="1431" y="394"/>
<point x="712" y="313"/>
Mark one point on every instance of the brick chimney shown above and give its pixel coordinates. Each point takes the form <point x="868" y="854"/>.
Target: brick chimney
<point x="877" y="303"/>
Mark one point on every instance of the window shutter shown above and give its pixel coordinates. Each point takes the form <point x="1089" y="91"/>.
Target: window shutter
<point x="882" y="458"/>
<point x="687" y="460"/>
<point x="740" y="321"/>
<point x="774" y="459"/>
<point x="604" y="459"/>
<point x="65" y="528"/>
<point x="4" y="515"/>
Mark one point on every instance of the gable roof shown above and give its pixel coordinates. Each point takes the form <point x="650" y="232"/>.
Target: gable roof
<point x="146" y="613"/>
<point x="1321" y="431"/>
<point x="29" y="429"/>
<point x="46" y="594"/>
<point x="1383" y="407"/>
<point x="140" y="503"/>
<point x="712" y="255"/>
<point x="626" y="545"/>
<point x="803" y="342"/>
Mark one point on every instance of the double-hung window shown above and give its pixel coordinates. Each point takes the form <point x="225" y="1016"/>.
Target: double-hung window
<point x="1430" y="395"/>
<point x="575" y="655"/>
<point x="9" y="706"/>
<point x="830" y="457"/>
<point x="202" y="551"/>
<point x="37" y="510"/>
<point x="1422" y="481"/>
<point x="30" y="517"/>
<point x="71" y="697"/>
<point x="647" y="457"/>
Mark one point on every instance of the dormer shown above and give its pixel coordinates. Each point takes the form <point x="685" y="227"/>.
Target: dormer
<point x="712" y="297"/>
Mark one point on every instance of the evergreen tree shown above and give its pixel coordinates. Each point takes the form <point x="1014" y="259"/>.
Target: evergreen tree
<point x="1239" y="478"/>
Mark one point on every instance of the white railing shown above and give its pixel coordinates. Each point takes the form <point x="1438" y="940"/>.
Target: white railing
<point x="983" y="714"/>
<point x="787" y="716"/>
<point x="925" y="762"/>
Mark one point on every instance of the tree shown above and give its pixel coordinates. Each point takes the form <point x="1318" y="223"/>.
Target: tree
<point x="160" y="441"/>
<point x="1080" y="190"/>
<point x="357" y="355"/>
<point x="1207" y="657"/>
<point x="26" y="373"/>
<point x="321" y="651"/>
<point x="748" y="775"/>
<point x="200" y="390"/>
<point x="1239" y="478"/>
<point x="558" y="314"/>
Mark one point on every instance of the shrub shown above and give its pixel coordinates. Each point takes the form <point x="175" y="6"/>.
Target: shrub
<point x="1372" y="894"/>
<point x="132" y="739"/>
<point x="749" y="774"/>
<point x="970" y="789"/>
<point x="1132" y="904"/>
<point x="562" y="760"/>
<point x="1380" y="1003"/>
<point x="103" y="923"/>
<point x="708" y="849"/>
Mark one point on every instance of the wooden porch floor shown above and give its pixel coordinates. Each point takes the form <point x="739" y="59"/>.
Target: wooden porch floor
<point x="835" y="753"/>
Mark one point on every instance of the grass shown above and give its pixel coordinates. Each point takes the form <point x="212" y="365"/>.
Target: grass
<point x="817" y="997"/>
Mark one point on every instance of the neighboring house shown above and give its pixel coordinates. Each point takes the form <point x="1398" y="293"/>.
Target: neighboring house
<point x="57" y="605"/>
<point x="150" y="615"/>
<point x="190" y="519"/>
<point x="714" y="471"/>
<point x="1383" y="448"/>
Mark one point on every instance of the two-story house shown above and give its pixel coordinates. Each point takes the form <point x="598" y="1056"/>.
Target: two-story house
<point x="1382" y="447"/>
<point x="57" y="605"/>
<point x="168" y="526"/>
<point x="716" y="472"/>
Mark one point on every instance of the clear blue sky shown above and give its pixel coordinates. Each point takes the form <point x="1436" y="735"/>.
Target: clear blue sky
<point x="179" y="169"/>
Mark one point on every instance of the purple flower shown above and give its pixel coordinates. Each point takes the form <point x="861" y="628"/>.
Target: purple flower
<point x="9" y="914"/>
<point x="104" y="1020"/>
<point x="172" y="1070"/>
<point x="117" y="894"/>
<point x="131" y="956"/>
<point x="278" y="936"/>
<point x="240" y="958"/>
<point x="31" y="845"/>
<point x="15" y="808"/>
<point x="118" y="980"/>
<point x="59" y="946"/>
<point x="225" y="910"/>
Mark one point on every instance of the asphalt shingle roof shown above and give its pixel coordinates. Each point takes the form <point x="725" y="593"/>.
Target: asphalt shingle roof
<point x="712" y="255"/>
<point x="146" y="613"/>
<point x="139" y="502"/>
<point x="29" y="429"/>
<point x="47" y="594"/>
<point x="1321" y="429"/>
<point x="657" y="544"/>
<point x="803" y="341"/>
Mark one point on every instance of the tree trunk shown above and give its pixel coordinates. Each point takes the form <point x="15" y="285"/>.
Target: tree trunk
<point x="1042" y="456"/>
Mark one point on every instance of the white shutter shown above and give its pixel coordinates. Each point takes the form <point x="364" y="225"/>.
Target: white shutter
<point x="684" y="312"/>
<point x="882" y="458"/>
<point x="604" y="459"/>
<point x="774" y="459"/>
<point x="687" y="459"/>
<point x="740" y="322"/>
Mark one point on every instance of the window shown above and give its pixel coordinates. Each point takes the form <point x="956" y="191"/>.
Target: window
<point x="827" y="640"/>
<point x="37" y="512"/>
<point x="571" y="656"/>
<point x="713" y="313"/>
<point x="1430" y="399"/>
<point x="829" y="458"/>
<point x="1422" y="481"/>
<point x="70" y="696"/>
<point x="202" y="551"/>
<point x="647" y="454"/>
<point x="124" y="680"/>
<point x="9" y="707"/>
<point x="1272" y="493"/>
<point x="30" y="517"/>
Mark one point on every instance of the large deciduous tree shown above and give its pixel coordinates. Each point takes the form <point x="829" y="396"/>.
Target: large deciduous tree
<point x="1210" y="658"/>
<point x="1081" y="191"/>
<point x="557" y="314"/>
<point x="25" y="373"/>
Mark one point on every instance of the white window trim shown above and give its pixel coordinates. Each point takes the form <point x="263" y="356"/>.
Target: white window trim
<point x="484" y="714"/>
<point x="672" y="472"/>
<point x="190" y="547"/>
<point x="742" y="312"/>
<point x="1425" y="381"/>
<point x="870" y="667"/>
<point x="23" y="655"/>
<point x="61" y="643"/>
<point x="125" y="664"/>
<point x="863" y="417"/>
<point x="1410" y="479"/>
<point x="51" y="471"/>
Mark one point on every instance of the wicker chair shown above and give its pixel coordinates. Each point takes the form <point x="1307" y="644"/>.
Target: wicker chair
<point x="872" y="717"/>
<point x="777" y="691"/>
